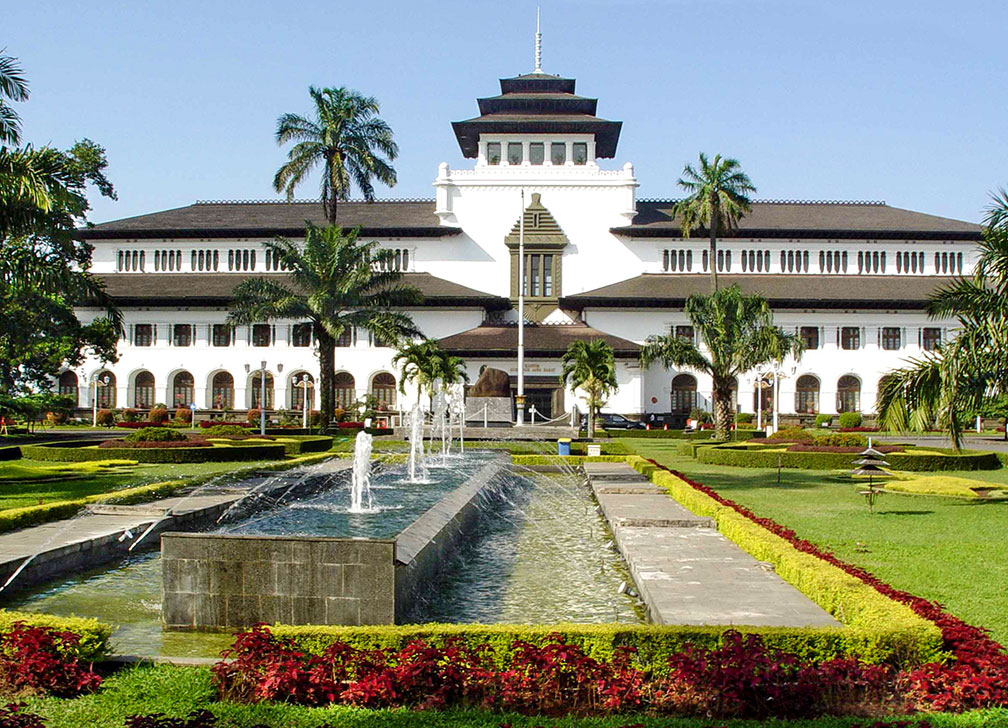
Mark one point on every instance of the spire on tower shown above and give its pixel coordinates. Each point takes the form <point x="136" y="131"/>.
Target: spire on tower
<point x="538" y="46"/>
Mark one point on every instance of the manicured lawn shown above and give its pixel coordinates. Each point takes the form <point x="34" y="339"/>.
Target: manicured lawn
<point x="32" y="482"/>
<point x="952" y="551"/>
<point x="178" y="690"/>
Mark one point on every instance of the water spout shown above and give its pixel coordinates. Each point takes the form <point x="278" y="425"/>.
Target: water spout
<point x="416" y="452"/>
<point x="360" y="488"/>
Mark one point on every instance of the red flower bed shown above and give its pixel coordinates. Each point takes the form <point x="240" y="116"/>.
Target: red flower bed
<point x="135" y="425"/>
<point x="191" y="442"/>
<point x="806" y="447"/>
<point x="211" y="423"/>
<point x="350" y="425"/>
<point x="977" y="677"/>
<point x="12" y="716"/>
<point x="35" y="660"/>
<point x="742" y="678"/>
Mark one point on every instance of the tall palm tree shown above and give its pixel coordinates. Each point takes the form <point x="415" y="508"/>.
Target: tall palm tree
<point x="739" y="335"/>
<point x="347" y="137"/>
<point x="425" y="363"/>
<point x="336" y="282"/>
<point x="718" y="197"/>
<point x="13" y="86"/>
<point x="591" y="367"/>
<point x="963" y="375"/>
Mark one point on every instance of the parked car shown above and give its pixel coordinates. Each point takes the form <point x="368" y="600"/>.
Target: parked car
<point x="613" y="422"/>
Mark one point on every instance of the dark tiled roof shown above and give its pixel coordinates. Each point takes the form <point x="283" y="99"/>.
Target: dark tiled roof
<point x="214" y="289"/>
<point x="268" y="219"/>
<point x="670" y="290"/>
<point x="812" y="220"/>
<point x="540" y="340"/>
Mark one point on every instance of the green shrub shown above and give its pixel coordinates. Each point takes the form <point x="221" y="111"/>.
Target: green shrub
<point x="842" y="439"/>
<point x="912" y="459"/>
<point x="225" y="430"/>
<point x="105" y="418"/>
<point x="682" y="434"/>
<point x="744" y="418"/>
<point x="700" y="415"/>
<point x="158" y="415"/>
<point x="792" y="434"/>
<point x="130" y="415"/>
<point x="823" y="420"/>
<point x="94" y="635"/>
<point x="574" y="460"/>
<point x="876" y="628"/>
<point x="850" y="419"/>
<point x="260" y="450"/>
<point x="155" y="434"/>
<point x="184" y="415"/>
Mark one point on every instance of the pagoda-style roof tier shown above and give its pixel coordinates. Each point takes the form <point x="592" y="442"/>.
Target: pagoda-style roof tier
<point x="537" y="103"/>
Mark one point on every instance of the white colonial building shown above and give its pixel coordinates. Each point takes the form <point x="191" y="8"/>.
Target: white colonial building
<point x="851" y="278"/>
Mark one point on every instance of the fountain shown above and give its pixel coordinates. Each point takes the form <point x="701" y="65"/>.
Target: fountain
<point x="360" y="481"/>
<point x="416" y="451"/>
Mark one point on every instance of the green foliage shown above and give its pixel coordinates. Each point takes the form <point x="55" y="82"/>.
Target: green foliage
<point x="236" y="452"/>
<point x="911" y="459"/>
<point x="738" y="336"/>
<point x="591" y="367"/>
<point x="34" y="407"/>
<point x="158" y="415"/>
<point x="791" y="434"/>
<point x="823" y="420"/>
<point x="225" y="430"/>
<point x="850" y="419"/>
<point x="565" y="460"/>
<point x="944" y="485"/>
<point x="877" y="629"/>
<point x="105" y="418"/>
<point x="745" y="418"/>
<point x="337" y="283"/>
<point x="842" y="439"/>
<point x="700" y="416"/>
<point x="426" y="363"/>
<point x="155" y="434"/>
<point x="94" y="635"/>
<point x="703" y="435"/>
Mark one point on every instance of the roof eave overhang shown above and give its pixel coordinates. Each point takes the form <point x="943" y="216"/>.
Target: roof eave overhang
<point x="579" y="303"/>
<point x="260" y="232"/>
<point x="644" y="231"/>
<point x="490" y="303"/>
<point x="606" y="132"/>
<point x="534" y="353"/>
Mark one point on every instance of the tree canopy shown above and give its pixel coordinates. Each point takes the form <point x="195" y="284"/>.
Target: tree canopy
<point x="426" y="364"/>
<point x="591" y="367"/>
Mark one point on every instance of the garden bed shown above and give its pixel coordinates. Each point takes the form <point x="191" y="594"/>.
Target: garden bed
<point x="910" y="459"/>
<point x="218" y="452"/>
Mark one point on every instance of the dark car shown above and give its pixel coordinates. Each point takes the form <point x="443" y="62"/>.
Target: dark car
<point x="614" y="422"/>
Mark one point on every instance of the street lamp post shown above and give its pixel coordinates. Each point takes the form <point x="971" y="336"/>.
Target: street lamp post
<point x="520" y="398"/>
<point x="95" y="380"/>
<point x="305" y="384"/>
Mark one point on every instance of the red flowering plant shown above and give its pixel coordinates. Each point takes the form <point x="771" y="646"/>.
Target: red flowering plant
<point x="39" y="660"/>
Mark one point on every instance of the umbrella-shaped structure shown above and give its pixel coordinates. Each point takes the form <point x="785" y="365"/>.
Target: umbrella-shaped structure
<point x="872" y="463"/>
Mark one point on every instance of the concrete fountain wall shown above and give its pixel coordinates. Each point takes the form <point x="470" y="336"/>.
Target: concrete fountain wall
<point x="223" y="581"/>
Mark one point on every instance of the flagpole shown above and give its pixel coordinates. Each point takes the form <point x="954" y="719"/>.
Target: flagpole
<point x="520" y="399"/>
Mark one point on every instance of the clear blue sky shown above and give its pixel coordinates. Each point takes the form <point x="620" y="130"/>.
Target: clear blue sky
<point x="902" y="101"/>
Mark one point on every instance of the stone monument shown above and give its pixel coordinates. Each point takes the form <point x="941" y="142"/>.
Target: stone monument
<point x="489" y="399"/>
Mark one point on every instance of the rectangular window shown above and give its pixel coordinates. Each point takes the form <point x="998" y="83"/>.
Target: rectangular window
<point x="810" y="337"/>
<point x="378" y="341"/>
<point x="891" y="338"/>
<point x="930" y="339"/>
<point x="558" y="153"/>
<point x="684" y="332"/>
<point x="301" y="335"/>
<point x="182" y="335"/>
<point x="515" y="155"/>
<point x="547" y="269"/>
<point x="493" y="153"/>
<point x="143" y="335"/>
<point x="580" y="153"/>
<point x="261" y="335"/>
<point x="537" y="152"/>
<point x="850" y="338"/>
<point x="220" y="335"/>
<point x="534" y="261"/>
<point x="348" y="337"/>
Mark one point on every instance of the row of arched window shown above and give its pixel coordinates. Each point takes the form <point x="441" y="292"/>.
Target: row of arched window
<point x="273" y="262"/>
<point x="683" y="394"/>
<point x="677" y="260"/>
<point x="398" y="259"/>
<point x="167" y="260"/>
<point x="948" y="262"/>
<point x="131" y="261"/>
<point x="182" y="390"/>
<point x="205" y="260"/>
<point x="241" y="259"/>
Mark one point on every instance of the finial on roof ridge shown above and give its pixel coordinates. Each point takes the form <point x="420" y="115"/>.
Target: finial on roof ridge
<point x="538" y="46"/>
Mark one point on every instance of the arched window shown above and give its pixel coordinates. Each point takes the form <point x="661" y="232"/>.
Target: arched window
<point x="807" y="395"/>
<point x="297" y="391"/>
<point x="848" y="394"/>
<point x="383" y="388"/>
<point x="683" y="393"/>
<point x="222" y="391"/>
<point x="183" y="390"/>
<point x="257" y="386"/>
<point x="143" y="388"/>
<point x="105" y="392"/>
<point x="68" y="384"/>
<point x="346" y="390"/>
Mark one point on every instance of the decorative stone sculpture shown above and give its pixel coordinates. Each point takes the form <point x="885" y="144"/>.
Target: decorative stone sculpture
<point x="489" y="399"/>
<point x="491" y="383"/>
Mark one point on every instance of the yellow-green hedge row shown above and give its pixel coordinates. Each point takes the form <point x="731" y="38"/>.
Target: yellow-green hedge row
<point x="94" y="635"/>
<point x="572" y="460"/>
<point x="911" y="460"/>
<point x="877" y="628"/>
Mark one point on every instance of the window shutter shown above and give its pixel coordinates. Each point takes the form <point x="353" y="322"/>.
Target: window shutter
<point x="878" y="338"/>
<point x="920" y="338"/>
<point x="272" y="334"/>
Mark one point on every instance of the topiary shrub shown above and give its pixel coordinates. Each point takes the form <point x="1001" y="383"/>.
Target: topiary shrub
<point x="130" y="415"/>
<point x="791" y="434"/>
<point x="158" y="415"/>
<point x="226" y="431"/>
<point x="850" y="419"/>
<point x="105" y="418"/>
<point x="253" y="415"/>
<point x="184" y="415"/>
<point x="823" y="420"/>
<point x="744" y="418"/>
<point x="842" y="439"/>
<point x="155" y="434"/>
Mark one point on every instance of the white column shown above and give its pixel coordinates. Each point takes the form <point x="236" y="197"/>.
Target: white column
<point x="569" y="147"/>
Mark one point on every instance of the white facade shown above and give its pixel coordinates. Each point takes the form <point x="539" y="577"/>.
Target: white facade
<point x="609" y="241"/>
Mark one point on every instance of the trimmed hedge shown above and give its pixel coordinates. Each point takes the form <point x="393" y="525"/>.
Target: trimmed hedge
<point x="737" y="435"/>
<point x="217" y="454"/>
<point x="910" y="460"/>
<point x="94" y="635"/>
<point x="10" y="453"/>
<point x="876" y="628"/>
<point x="573" y="460"/>
<point x="654" y="643"/>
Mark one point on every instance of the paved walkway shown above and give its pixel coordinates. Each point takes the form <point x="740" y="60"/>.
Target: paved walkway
<point x="687" y="572"/>
<point x="104" y="533"/>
